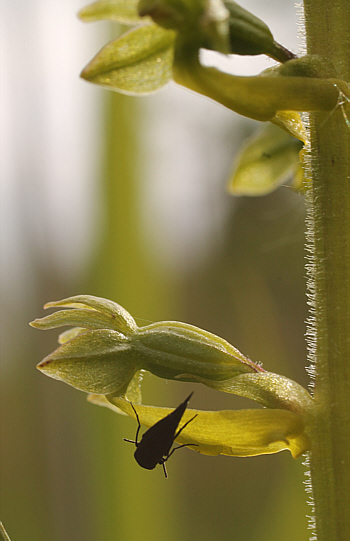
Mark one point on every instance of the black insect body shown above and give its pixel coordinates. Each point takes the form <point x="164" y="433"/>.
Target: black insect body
<point x="155" y="444"/>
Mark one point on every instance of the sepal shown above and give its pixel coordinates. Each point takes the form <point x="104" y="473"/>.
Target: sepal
<point x="139" y="62"/>
<point x="99" y="361"/>
<point x="89" y="312"/>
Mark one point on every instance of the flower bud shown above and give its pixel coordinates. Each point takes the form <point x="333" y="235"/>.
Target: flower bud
<point x="249" y="35"/>
<point x="102" y="354"/>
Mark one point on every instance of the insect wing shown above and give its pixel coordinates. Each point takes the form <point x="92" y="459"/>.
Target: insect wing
<point x="156" y="442"/>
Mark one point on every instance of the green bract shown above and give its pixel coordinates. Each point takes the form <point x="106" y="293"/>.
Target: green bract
<point x="107" y="353"/>
<point x="266" y="161"/>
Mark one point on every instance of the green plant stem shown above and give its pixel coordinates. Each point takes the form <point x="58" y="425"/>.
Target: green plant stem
<point x="328" y="204"/>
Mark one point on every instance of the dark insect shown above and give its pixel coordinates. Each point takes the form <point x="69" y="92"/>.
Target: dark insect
<point x="155" y="444"/>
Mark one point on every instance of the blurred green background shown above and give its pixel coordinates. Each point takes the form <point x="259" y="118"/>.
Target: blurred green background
<point x="125" y="198"/>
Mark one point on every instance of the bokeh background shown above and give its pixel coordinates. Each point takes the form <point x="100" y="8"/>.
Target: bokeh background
<point x="125" y="198"/>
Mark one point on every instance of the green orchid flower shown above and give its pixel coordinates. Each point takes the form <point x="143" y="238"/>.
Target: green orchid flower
<point x="106" y="353"/>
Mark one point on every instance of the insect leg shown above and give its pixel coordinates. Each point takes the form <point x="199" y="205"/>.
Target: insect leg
<point x="164" y="459"/>
<point x="136" y="442"/>
<point x="178" y="447"/>
<point x="184" y="426"/>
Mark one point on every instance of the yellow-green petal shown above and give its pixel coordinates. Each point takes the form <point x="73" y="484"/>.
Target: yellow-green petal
<point x="232" y="433"/>
<point x="70" y="334"/>
<point x="89" y="319"/>
<point x="291" y="122"/>
<point x="100" y="310"/>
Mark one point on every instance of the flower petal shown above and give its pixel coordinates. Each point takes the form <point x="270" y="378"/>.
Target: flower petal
<point x="92" y="313"/>
<point x="232" y="433"/>
<point x="70" y="334"/>
<point x="79" y="317"/>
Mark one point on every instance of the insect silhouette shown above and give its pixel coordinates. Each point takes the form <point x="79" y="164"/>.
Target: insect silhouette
<point x="155" y="444"/>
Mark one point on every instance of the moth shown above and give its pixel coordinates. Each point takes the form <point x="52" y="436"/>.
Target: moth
<point x="155" y="444"/>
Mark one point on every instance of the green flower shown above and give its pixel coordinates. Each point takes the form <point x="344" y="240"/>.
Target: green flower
<point x="106" y="349"/>
<point x="105" y="354"/>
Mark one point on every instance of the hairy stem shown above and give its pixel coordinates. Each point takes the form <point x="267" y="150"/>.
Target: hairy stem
<point x="328" y="203"/>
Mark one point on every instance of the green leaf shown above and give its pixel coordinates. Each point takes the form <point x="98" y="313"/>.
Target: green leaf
<point x="266" y="162"/>
<point x="121" y="11"/>
<point x="139" y="62"/>
<point x="232" y="433"/>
